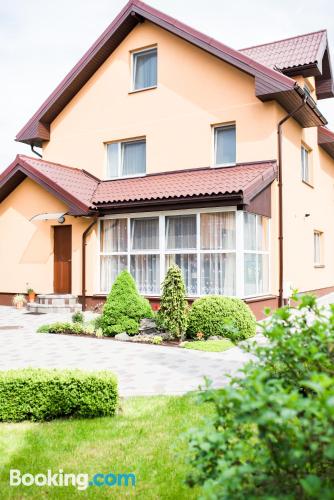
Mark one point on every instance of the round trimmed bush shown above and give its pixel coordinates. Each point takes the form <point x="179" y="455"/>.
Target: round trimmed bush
<point x="228" y="317"/>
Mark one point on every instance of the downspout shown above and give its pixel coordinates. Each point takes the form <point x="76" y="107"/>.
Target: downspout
<point x="280" y="201"/>
<point x="36" y="152"/>
<point x="84" y="244"/>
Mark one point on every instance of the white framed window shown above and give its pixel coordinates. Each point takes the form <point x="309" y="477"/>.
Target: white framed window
<point x="306" y="164"/>
<point x="144" y="69"/>
<point x="318" y="248"/>
<point x="204" y="243"/>
<point x="224" y="145"/>
<point x="256" y="255"/>
<point x="126" y="158"/>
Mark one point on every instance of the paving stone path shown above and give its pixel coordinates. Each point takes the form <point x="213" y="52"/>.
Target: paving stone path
<point x="141" y="369"/>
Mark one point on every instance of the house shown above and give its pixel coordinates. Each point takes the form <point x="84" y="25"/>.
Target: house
<point x="163" y="145"/>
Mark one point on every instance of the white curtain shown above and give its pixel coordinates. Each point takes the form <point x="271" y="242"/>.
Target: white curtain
<point x="110" y="267"/>
<point x="145" y="234"/>
<point x="113" y="160"/>
<point x="218" y="274"/>
<point x="181" y="232"/>
<point x="249" y="231"/>
<point x="133" y="157"/>
<point x="218" y="231"/>
<point x="145" y="270"/>
<point x="113" y="235"/>
<point x="225" y="145"/>
<point x="145" y="69"/>
<point x="188" y="265"/>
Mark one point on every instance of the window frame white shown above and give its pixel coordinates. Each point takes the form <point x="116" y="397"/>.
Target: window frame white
<point x="305" y="151"/>
<point x="239" y="250"/>
<point x="214" y="144"/>
<point x="132" y="68"/>
<point x="120" y="158"/>
<point x="318" y="240"/>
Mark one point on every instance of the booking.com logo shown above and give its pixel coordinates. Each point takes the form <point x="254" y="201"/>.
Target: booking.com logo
<point x="62" y="479"/>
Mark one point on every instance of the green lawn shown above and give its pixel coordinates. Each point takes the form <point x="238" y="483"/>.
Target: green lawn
<point x="147" y="438"/>
<point x="209" y="345"/>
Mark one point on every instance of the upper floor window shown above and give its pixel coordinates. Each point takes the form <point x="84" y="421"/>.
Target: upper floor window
<point x="224" y="145"/>
<point x="306" y="164"/>
<point x="317" y="248"/>
<point x="144" y="69"/>
<point x="126" y="158"/>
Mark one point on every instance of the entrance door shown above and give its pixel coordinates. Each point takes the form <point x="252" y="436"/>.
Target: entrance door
<point x="62" y="259"/>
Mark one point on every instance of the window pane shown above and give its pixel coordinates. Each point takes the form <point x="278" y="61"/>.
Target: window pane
<point x="145" y="270"/>
<point x="145" y="69"/>
<point x="249" y="231"/>
<point x="218" y="274"/>
<point x="114" y="235"/>
<point x="263" y="273"/>
<point x="181" y="232"/>
<point x="145" y="234"/>
<point x="316" y="248"/>
<point x="188" y="265"/>
<point x="218" y="231"/>
<point x="133" y="157"/>
<point x="110" y="267"/>
<point x="112" y="160"/>
<point x="262" y="233"/>
<point x="225" y="145"/>
<point x="250" y="264"/>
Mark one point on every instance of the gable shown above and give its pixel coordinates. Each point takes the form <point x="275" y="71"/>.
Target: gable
<point x="269" y="84"/>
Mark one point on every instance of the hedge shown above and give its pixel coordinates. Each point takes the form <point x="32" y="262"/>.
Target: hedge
<point x="40" y="394"/>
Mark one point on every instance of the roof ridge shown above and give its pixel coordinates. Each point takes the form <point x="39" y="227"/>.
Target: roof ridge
<point x="282" y="40"/>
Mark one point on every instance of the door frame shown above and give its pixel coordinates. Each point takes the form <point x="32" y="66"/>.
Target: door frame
<point x="55" y="228"/>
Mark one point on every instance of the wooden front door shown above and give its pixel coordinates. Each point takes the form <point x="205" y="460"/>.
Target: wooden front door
<point x="62" y="277"/>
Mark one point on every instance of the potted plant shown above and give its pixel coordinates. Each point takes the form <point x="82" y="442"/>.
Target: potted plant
<point x="19" y="301"/>
<point x="31" y="294"/>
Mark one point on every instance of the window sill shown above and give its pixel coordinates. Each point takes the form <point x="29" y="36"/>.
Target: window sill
<point x="135" y="91"/>
<point x="224" y="165"/>
<point x="319" y="266"/>
<point x="307" y="184"/>
<point x="124" y="177"/>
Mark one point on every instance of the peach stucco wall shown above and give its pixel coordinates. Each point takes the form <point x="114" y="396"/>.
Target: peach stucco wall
<point x="195" y="90"/>
<point x="26" y="248"/>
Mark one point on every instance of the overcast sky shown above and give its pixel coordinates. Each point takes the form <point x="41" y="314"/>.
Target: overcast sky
<point x="41" y="40"/>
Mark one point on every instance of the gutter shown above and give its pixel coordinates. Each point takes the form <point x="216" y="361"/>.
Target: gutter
<point x="280" y="198"/>
<point x="84" y="244"/>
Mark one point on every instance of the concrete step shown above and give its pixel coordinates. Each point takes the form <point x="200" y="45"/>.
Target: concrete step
<point x="57" y="299"/>
<point x="36" y="307"/>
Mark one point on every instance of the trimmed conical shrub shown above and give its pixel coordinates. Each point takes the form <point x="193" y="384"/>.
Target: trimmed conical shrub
<point x="172" y="315"/>
<point x="124" y="307"/>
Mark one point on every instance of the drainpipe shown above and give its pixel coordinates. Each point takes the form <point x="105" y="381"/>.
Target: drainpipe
<point x="36" y="152"/>
<point x="280" y="200"/>
<point x="84" y="244"/>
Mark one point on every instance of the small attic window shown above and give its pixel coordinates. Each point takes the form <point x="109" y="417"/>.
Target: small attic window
<point x="144" y="69"/>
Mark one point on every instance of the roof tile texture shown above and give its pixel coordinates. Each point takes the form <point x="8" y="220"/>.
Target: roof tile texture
<point x="291" y="52"/>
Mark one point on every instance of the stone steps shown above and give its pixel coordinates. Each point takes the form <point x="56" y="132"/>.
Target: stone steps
<point x="55" y="303"/>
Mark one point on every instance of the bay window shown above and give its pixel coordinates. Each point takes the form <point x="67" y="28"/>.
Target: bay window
<point x="219" y="251"/>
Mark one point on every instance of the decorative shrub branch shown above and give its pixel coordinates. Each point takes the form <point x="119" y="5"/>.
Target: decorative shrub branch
<point x="172" y="315"/>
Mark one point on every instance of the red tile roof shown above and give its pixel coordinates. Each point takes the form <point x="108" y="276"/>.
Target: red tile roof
<point x="291" y="52"/>
<point x="240" y="179"/>
<point x="84" y="193"/>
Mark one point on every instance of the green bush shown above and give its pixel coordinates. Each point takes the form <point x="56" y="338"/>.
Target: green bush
<point x="38" y="394"/>
<point x="225" y="316"/>
<point x="78" y="317"/>
<point x="72" y="328"/>
<point x="124" y="307"/>
<point x="272" y="433"/>
<point x="172" y="315"/>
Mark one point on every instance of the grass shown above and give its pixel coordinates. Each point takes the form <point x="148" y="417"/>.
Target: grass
<point x="209" y="345"/>
<point x="148" y="438"/>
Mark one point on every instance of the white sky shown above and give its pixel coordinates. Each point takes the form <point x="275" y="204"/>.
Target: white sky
<point x="41" y="40"/>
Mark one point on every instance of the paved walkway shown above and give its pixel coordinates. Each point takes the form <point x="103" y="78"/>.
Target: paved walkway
<point x="141" y="369"/>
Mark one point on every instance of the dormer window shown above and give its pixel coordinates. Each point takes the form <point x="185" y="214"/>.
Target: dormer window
<point x="126" y="158"/>
<point x="224" y="145"/>
<point x="144" y="69"/>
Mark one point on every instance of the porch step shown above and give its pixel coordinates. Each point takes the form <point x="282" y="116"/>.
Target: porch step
<point x="55" y="303"/>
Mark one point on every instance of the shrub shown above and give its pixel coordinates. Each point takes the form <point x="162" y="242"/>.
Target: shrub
<point x="68" y="328"/>
<point x="124" y="307"/>
<point x="38" y="394"/>
<point x="157" y="340"/>
<point x="224" y="316"/>
<point x="272" y="432"/>
<point x="172" y="315"/>
<point x="78" y="317"/>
